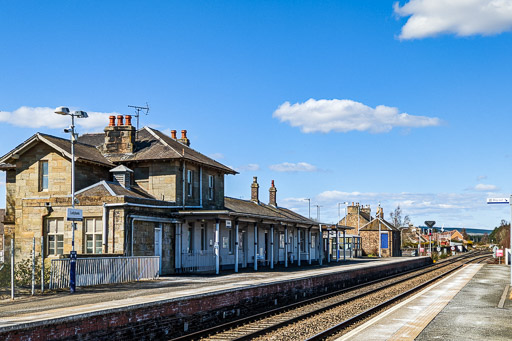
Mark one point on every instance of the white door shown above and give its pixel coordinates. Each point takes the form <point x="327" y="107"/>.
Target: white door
<point x="158" y="245"/>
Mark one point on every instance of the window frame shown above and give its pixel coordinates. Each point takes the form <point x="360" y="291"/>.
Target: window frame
<point x="56" y="234"/>
<point x="95" y="236"/>
<point x="190" y="182"/>
<point x="211" y="187"/>
<point x="43" y="176"/>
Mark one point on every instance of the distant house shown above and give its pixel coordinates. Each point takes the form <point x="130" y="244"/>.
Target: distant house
<point x="357" y="217"/>
<point x="389" y="237"/>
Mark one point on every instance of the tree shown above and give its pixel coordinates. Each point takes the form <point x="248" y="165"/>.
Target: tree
<point x="396" y="218"/>
<point x="464" y="234"/>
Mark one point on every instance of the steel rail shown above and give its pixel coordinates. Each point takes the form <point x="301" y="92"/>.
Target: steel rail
<point x="340" y="326"/>
<point x="259" y="316"/>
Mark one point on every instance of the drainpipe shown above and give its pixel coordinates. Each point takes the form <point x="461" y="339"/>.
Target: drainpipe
<point x="321" y="244"/>
<point x="272" y="246"/>
<point x="216" y="247"/>
<point x="201" y="186"/>
<point x="309" y="246"/>
<point x="286" y="246"/>
<point x="183" y="182"/>
<point x="236" y="246"/>
<point x="255" y="246"/>
<point x="105" y="229"/>
<point x="298" y="246"/>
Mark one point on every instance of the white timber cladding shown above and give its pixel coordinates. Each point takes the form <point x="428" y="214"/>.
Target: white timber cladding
<point x="195" y="237"/>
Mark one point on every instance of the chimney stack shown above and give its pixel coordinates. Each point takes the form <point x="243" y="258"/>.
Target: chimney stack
<point x="255" y="190"/>
<point x="380" y="212"/>
<point x="272" y="201"/>
<point x="120" y="138"/>
<point x="173" y="134"/>
<point x="184" y="138"/>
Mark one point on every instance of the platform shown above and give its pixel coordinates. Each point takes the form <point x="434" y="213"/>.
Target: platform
<point x="100" y="301"/>
<point x="471" y="304"/>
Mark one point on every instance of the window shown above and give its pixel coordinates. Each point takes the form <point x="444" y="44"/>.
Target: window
<point x="281" y="240"/>
<point x="93" y="235"/>
<point x="55" y="237"/>
<point x="231" y="241"/>
<point x="189" y="182"/>
<point x="313" y="241"/>
<point x="302" y="242"/>
<point x="203" y="239"/>
<point x="210" y="187"/>
<point x="43" y="175"/>
<point x="190" y="240"/>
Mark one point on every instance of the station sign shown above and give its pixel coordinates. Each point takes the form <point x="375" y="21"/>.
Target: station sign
<point x="499" y="253"/>
<point x="498" y="201"/>
<point x="74" y="214"/>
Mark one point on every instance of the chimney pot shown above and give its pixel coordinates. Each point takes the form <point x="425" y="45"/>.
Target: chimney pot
<point x="119" y="120"/>
<point x="173" y="134"/>
<point x="111" y="121"/>
<point x="128" y="120"/>
<point x="183" y="134"/>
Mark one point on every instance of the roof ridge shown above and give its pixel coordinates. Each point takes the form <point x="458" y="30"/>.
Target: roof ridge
<point x="152" y="132"/>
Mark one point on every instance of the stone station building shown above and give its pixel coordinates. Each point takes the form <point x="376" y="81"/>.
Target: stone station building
<point x="144" y="193"/>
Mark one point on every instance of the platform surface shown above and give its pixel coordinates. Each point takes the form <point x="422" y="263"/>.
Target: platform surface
<point x="463" y="306"/>
<point x="103" y="298"/>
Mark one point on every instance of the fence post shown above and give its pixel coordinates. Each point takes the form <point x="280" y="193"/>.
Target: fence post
<point x="12" y="268"/>
<point x="33" y="265"/>
<point x="42" y="264"/>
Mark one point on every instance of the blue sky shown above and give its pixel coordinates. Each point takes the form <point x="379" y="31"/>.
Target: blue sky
<point x="361" y="101"/>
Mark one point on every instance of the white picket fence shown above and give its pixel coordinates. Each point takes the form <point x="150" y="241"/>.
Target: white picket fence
<point x="104" y="270"/>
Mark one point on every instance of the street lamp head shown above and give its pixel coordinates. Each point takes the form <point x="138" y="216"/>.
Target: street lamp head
<point x="62" y="111"/>
<point x="80" y="114"/>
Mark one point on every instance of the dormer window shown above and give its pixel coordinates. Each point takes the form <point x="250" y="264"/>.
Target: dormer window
<point x="189" y="182"/>
<point x="43" y="175"/>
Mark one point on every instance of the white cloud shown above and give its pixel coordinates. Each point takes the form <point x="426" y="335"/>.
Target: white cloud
<point x="344" y="115"/>
<point x="44" y="117"/>
<point x="450" y="209"/>
<point x="293" y="167"/>
<point x="252" y="167"/>
<point x="217" y="156"/>
<point x="461" y="17"/>
<point x="481" y="177"/>
<point x="485" y="188"/>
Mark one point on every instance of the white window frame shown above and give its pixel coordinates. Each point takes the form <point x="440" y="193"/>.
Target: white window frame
<point x="211" y="184"/>
<point x="96" y="236"/>
<point x="58" y="233"/>
<point x="43" y="176"/>
<point x="190" y="187"/>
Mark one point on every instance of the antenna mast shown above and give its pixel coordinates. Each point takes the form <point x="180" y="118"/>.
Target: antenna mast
<point x="138" y="110"/>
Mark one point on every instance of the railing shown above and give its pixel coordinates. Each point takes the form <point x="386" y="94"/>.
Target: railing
<point x="104" y="270"/>
<point x="195" y="261"/>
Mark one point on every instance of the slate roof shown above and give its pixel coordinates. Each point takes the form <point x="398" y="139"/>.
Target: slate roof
<point x="247" y="207"/>
<point x="108" y="188"/>
<point x="374" y="225"/>
<point x="82" y="151"/>
<point x="152" y="144"/>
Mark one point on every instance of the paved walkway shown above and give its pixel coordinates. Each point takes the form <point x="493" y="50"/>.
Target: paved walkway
<point x="463" y="306"/>
<point x="101" y="298"/>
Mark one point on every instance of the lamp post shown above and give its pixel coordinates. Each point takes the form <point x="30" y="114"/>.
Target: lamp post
<point x="309" y="207"/>
<point x="71" y="130"/>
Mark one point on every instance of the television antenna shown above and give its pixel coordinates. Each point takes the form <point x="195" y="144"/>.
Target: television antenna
<point x="138" y="110"/>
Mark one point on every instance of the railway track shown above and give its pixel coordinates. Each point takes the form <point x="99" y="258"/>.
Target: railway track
<point x="299" y="320"/>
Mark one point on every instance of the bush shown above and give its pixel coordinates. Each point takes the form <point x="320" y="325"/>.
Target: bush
<point x="23" y="273"/>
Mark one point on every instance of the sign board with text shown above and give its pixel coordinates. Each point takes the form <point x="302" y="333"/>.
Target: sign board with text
<point x="499" y="253"/>
<point x="498" y="201"/>
<point x="74" y="214"/>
